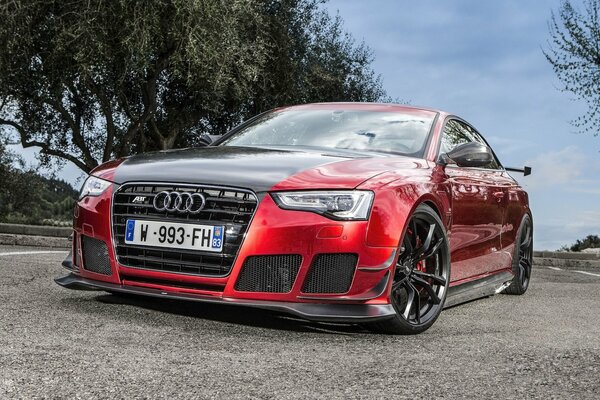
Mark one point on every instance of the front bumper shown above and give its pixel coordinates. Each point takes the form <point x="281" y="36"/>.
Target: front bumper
<point x="273" y="231"/>
<point x="308" y="311"/>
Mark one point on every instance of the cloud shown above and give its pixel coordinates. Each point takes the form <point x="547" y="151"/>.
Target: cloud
<point x="507" y="145"/>
<point x="554" y="168"/>
<point x="552" y="235"/>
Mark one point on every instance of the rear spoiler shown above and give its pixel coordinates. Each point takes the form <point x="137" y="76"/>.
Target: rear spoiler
<point x="525" y="170"/>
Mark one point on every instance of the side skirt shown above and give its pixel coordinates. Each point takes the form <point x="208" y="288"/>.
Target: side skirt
<point x="477" y="289"/>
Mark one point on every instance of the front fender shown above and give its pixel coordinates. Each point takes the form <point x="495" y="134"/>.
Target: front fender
<point x="394" y="203"/>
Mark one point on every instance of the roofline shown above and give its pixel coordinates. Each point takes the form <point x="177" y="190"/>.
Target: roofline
<point x="366" y="103"/>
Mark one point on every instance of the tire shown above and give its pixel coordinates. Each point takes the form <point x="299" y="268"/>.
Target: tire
<point x="522" y="258"/>
<point x="421" y="276"/>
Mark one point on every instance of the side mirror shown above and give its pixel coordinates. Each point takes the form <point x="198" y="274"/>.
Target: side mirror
<point x="470" y="154"/>
<point x="203" y="140"/>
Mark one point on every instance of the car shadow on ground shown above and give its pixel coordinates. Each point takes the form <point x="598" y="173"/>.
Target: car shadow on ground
<point x="231" y="314"/>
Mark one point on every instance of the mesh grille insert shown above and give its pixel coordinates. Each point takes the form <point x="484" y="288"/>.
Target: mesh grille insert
<point x="331" y="273"/>
<point x="272" y="274"/>
<point x="95" y="255"/>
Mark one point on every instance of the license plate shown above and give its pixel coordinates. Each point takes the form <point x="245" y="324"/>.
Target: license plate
<point x="174" y="235"/>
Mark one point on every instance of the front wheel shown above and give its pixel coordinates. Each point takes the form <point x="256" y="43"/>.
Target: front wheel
<point x="421" y="276"/>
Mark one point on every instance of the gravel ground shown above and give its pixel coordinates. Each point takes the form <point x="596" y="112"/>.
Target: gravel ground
<point x="57" y="343"/>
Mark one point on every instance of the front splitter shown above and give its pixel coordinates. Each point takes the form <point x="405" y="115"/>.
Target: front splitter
<point x="349" y="313"/>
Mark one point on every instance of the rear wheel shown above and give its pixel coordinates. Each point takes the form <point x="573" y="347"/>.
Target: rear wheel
<point x="522" y="258"/>
<point x="421" y="276"/>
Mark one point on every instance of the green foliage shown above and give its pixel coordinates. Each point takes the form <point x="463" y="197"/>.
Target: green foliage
<point x="574" y="54"/>
<point x="90" y="81"/>
<point x="589" y="242"/>
<point x="28" y="198"/>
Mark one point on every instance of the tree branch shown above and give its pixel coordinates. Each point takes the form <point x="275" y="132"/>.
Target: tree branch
<point x="149" y="93"/>
<point x="108" y="114"/>
<point x="155" y="133"/>
<point x="45" y="147"/>
<point x="77" y="139"/>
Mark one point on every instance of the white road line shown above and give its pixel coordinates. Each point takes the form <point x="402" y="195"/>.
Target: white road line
<point x="556" y="268"/>
<point x="20" y="253"/>
<point x="587" y="273"/>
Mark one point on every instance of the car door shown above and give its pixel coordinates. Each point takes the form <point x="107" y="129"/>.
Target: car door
<point x="478" y="206"/>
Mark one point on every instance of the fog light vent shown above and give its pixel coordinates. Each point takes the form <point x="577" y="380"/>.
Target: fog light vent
<point x="272" y="274"/>
<point x="331" y="273"/>
<point x="95" y="255"/>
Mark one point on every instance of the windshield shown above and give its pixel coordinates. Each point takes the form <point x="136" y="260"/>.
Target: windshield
<point x="382" y="131"/>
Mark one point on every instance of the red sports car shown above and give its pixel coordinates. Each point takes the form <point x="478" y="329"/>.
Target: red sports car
<point x="377" y="214"/>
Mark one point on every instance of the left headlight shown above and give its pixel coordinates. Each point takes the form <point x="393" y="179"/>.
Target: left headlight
<point x="340" y="205"/>
<point x="93" y="187"/>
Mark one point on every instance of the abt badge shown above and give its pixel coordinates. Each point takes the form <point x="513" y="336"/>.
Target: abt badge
<point x="139" y="199"/>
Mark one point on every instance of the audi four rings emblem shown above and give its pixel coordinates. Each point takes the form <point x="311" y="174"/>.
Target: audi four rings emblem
<point x="181" y="202"/>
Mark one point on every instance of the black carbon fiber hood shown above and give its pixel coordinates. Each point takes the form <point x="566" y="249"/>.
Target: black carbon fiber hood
<point x="254" y="168"/>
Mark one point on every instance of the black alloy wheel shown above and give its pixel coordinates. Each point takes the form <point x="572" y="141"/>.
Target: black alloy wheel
<point x="422" y="275"/>
<point x="522" y="258"/>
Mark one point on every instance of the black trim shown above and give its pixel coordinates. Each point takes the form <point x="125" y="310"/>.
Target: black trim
<point x="310" y="311"/>
<point x="484" y="287"/>
<point x="430" y="136"/>
<point x="525" y="170"/>
<point x="376" y="291"/>
<point x="349" y="313"/>
<point x="68" y="262"/>
<point x="385" y="265"/>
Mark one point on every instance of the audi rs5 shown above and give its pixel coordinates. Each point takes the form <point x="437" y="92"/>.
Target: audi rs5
<point x="376" y="214"/>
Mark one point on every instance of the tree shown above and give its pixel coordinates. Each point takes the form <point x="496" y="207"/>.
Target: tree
<point x="312" y="59"/>
<point x="28" y="197"/>
<point x="90" y="81"/>
<point x="574" y="53"/>
<point x="589" y="242"/>
<point x="18" y="189"/>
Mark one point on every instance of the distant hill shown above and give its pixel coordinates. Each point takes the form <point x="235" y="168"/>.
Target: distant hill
<point x="29" y="198"/>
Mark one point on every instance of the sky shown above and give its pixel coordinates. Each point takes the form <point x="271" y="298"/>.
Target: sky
<point x="483" y="61"/>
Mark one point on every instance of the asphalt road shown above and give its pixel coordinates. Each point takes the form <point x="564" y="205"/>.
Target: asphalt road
<point x="57" y="343"/>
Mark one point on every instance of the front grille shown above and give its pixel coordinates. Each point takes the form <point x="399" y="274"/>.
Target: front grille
<point x="231" y="208"/>
<point x="272" y="274"/>
<point x="330" y="273"/>
<point x="95" y="255"/>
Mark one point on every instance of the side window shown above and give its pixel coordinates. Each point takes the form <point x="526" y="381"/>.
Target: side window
<point x="494" y="164"/>
<point x="456" y="133"/>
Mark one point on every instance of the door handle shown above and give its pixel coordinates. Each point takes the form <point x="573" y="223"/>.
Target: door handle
<point x="498" y="195"/>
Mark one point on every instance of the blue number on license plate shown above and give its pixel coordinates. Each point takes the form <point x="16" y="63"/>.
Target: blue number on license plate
<point x="217" y="237"/>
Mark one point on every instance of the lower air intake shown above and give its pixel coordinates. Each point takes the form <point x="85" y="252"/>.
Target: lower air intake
<point x="272" y="274"/>
<point x="330" y="273"/>
<point x="95" y="255"/>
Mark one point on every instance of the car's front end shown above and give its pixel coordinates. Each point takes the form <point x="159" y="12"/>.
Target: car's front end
<point x="271" y="255"/>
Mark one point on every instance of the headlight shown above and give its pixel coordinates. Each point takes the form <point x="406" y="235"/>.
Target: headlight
<point x="93" y="187"/>
<point x="341" y="205"/>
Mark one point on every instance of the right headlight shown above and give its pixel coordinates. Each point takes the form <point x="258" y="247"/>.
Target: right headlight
<point x="93" y="186"/>
<point x="339" y="204"/>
